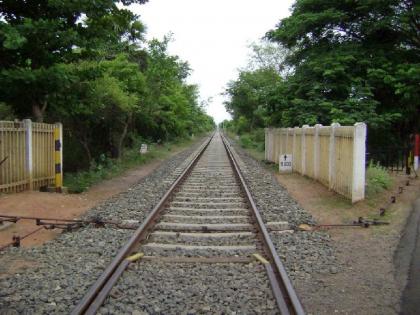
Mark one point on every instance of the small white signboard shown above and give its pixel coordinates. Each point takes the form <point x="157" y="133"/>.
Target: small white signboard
<point x="285" y="163"/>
<point x="143" y="148"/>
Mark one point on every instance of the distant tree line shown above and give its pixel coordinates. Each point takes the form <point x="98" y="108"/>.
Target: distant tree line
<point x="87" y="64"/>
<point x="335" y="61"/>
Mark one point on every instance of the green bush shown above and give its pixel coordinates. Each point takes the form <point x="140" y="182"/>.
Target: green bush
<point x="105" y="167"/>
<point x="377" y="179"/>
<point x="254" y="140"/>
<point x="245" y="141"/>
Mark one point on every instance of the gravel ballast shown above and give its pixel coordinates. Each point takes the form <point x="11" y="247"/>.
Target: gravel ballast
<point x="62" y="270"/>
<point x="200" y="289"/>
<point x="65" y="268"/>
<point x="303" y="253"/>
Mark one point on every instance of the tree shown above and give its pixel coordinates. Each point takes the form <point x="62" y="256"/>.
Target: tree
<point x="36" y="36"/>
<point x="253" y="97"/>
<point x="6" y="112"/>
<point x="86" y="64"/>
<point x="267" y="55"/>
<point x="353" y="61"/>
<point x="102" y="96"/>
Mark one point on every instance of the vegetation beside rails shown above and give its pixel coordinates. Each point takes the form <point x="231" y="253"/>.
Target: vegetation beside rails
<point x="106" y="167"/>
<point x="88" y="65"/>
<point x="253" y="142"/>
<point x="304" y="72"/>
<point x="378" y="179"/>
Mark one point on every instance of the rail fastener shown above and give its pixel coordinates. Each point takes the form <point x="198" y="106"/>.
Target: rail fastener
<point x="284" y="293"/>
<point x="261" y="259"/>
<point x="135" y="257"/>
<point x="98" y="292"/>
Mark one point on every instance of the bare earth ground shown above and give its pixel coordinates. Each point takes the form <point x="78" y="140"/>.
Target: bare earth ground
<point x="64" y="206"/>
<point x="366" y="283"/>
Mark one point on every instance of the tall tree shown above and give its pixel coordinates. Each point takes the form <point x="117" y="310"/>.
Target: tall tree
<point x="355" y="60"/>
<point x="36" y="35"/>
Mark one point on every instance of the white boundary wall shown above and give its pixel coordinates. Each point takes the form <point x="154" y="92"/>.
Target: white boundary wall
<point x="333" y="155"/>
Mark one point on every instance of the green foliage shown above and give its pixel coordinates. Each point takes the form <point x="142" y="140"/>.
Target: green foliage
<point x="348" y="55"/>
<point x="6" y="112"/>
<point x="254" y="140"/>
<point x="347" y="61"/>
<point x="377" y="179"/>
<point x="245" y="141"/>
<point x="106" y="167"/>
<point x="252" y="97"/>
<point x="36" y="36"/>
<point x="87" y="65"/>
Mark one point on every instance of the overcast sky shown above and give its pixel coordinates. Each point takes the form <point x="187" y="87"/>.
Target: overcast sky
<point x="213" y="36"/>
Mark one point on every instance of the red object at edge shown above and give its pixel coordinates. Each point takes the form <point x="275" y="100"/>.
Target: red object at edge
<point x="417" y="145"/>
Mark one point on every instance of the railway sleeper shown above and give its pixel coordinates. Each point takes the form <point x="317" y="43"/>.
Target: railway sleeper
<point x="175" y="218"/>
<point x="204" y="227"/>
<point x="217" y="238"/>
<point x="160" y="249"/>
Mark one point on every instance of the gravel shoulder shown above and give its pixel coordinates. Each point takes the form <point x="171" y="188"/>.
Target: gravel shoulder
<point x="346" y="270"/>
<point x="68" y="206"/>
<point x="53" y="277"/>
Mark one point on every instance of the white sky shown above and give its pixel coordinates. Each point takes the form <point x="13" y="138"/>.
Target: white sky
<point x="212" y="36"/>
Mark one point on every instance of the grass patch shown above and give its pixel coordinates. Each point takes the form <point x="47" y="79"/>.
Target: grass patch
<point x="377" y="180"/>
<point x="253" y="142"/>
<point x="106" y="168"/>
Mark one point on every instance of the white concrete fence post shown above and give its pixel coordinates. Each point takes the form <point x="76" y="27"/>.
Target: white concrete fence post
<point x="295" y="144"/>
<point x="359" y="162"/>
<point x="27" y="123"/>
<point x="303" y="153"/>
<point x="268" y="144"/>
<point x="331" y="158"/>
<point x="281" y="150"/>
<point x="278" y="145"/>
<point x="271" y="158"/>
<point x="316" y="150"/>
<point x="265" y="143"/>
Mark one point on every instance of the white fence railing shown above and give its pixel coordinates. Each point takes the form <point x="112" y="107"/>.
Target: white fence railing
<point x="333" y="155"/>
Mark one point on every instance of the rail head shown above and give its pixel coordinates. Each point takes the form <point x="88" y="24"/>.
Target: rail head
<point x="278" y="267"/>
<point x="89" y="298"/>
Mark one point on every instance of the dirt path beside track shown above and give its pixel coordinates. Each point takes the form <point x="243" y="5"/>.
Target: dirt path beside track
<point x="64" y="206"/>
<point x="368" y="281"/>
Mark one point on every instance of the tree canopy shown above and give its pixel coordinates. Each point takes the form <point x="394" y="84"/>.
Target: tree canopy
<point x="349" y="61"/>
<point x="87" y="64"/>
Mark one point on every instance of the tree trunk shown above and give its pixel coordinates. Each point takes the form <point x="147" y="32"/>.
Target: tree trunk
<point x="121" y="139"/>
<point x="87" y="150"/>
<point x="38" y="111"/>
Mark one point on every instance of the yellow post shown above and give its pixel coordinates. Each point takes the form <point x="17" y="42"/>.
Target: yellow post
<point x="58" y="158"/>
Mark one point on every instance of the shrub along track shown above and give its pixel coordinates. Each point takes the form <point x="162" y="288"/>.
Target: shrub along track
<point x="205" y="242"/>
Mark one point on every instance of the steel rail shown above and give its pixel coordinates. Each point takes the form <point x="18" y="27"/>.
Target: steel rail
<point x="282" y="287"/>
<point x="100" y="286"/>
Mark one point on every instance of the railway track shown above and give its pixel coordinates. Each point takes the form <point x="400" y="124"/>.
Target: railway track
<point x="207" y="217"/>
